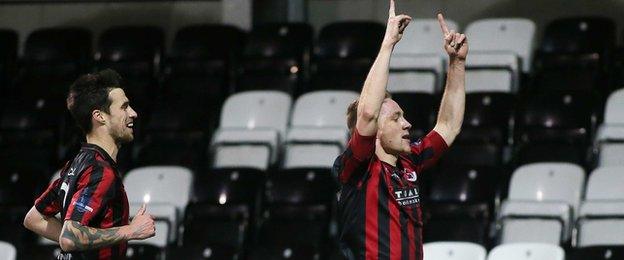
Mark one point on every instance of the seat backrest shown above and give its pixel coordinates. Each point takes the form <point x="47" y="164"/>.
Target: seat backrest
<point x="7" y="251"/>
<point x="605" y="183"/>
<point x="164" y="184"/>
<point x="198" y="42"/>
<point x="579" y="35"/>
<point x="325" y="108"/>
<point x="291" y="40"/>
<point x="527" y="251"/>
<point x="58" y="44"/>
<point x="350" y="40"/>
<point x="131" y="43"/>
<point x="597" y="253"/>
<point x="516" y="35"/>
<point x="614" y="111"/>
<point x="453" y="251"/>
<point x="558" y="110"/>
<point x="8" y="46"/>
<point x="554" y="182"/>
<point x="464" y="184"/>
<point x="424" y="36"/>
<point x="257" y="109"/>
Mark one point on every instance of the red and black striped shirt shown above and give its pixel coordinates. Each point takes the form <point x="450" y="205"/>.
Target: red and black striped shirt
<point x="90" y="190"/>
<point x="379" y="205"/>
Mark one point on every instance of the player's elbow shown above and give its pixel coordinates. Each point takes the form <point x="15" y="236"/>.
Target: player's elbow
<point x="367" y="114"/>
<point x="30" y="219"/>
<point x="67" y="244"/>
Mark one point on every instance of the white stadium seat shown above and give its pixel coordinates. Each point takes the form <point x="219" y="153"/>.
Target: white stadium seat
<point x="527" y="251"/>
<point x="253" y="124"/>
<point x="610" y="136"/>
<point x="542" y="203"/>
<point x="601" y="216"/>
<point x="168" y="190"/>
<point x="418" y="60"/>
<point x="318" y="132"/>
<point x="500" y="49"/>
<point x="453" y="251"/>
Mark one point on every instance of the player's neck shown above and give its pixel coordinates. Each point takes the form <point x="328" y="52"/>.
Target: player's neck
<point x="105" y="142"/>
<point x="383" y="156"/>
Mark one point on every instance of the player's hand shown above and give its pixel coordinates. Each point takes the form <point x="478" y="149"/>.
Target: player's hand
<point x="142" y="225"/>
<point x="396" y="25"/>
<point x="455" y="44"/>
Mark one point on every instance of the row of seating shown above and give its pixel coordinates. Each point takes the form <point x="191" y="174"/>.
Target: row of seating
<point x="274" y="132"/>
<point x="285" y="56"/>
<point x="517" y="251"/>
<point x="244" y="212"/>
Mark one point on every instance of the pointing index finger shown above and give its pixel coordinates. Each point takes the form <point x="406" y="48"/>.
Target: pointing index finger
<point x="391" y="11"/>
<point x="443" y="24"/>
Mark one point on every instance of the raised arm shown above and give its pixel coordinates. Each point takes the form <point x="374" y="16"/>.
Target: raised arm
<point x="77" y="237"/>
<point x="374" y="89"/>
<point x="451" y="114"/>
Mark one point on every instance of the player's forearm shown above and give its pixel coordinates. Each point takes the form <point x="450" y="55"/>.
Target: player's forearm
<point x="374" y="89"/>
<point x="45" y="226"/>
<point x="76" y="237"/>
<point x="451" y="114"/>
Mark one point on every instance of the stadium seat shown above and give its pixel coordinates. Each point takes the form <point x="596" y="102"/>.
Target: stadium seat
<point x="542" y="204"/>
<point x="461" y="203"/>
<point x="418" y="60"/>
<point x="487" y="118"/>
<point x="297" y="202"/>
<point x="166" y="191"/>
<point x="473" y="155"/>
<point x="601" y="215"/>
<point x="610" y="136"/>
<point x="276" y="57"/>
<point x="563" y="121"/>
<point x="253" y="123"/>
<point x="7" y="251"/>
<point x="580" y="46"/>
<point x="52" y="59"/>
<point x="173" y="134"/>
<point x="135" y="53"/>
<point x="496" y="63"/>
<point x="202" y="64"/>
<point x="596" y="253"/>
<point x="221" y="214"/>
<point x="344" y="53"/>
<point x="527" y="251"/>
<point x="8" y="57"/>
<point x="453" y="251"/>
<point x="318" y="131"/>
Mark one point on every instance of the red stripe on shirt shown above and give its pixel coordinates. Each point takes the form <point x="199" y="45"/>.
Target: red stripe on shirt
<point x="372" y="207"/>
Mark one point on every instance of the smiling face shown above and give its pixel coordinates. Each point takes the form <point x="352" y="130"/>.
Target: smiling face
<point x="393" y="128"/>
<point x="120" y="119"/>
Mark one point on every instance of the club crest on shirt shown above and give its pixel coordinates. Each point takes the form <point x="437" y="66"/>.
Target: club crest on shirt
<point x="411" y="176"/>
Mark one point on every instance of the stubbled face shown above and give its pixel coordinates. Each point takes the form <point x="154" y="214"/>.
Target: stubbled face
<point x="393" y="128"/>
<point x="120" y="121"/>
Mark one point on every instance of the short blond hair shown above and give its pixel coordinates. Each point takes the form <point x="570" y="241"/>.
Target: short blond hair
<point x="352" y="112"/>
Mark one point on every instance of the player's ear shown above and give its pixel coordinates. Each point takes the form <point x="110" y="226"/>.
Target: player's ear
<point x="98" y="116"/>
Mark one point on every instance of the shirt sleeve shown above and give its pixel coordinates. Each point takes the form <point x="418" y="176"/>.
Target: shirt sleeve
<point x="94" y="189"/>
<point x="428" y="150"/>
<point x="48" y="203"/>
<point x="358" y="153"/>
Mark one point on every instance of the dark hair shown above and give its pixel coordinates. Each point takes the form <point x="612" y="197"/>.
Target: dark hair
<point x="90" y="92"/>
<point x="352" y="112"/>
